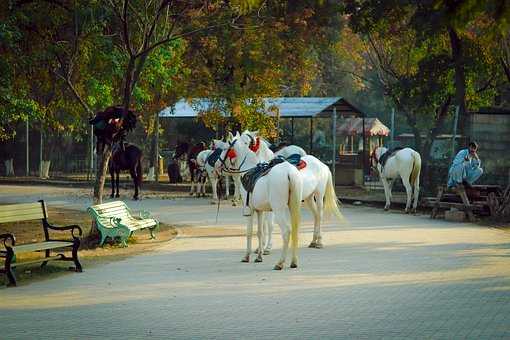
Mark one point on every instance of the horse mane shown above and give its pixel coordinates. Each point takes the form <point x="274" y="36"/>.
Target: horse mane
<point x="276" y="148"/>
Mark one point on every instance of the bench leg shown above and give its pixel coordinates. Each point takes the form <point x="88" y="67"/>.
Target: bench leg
<point x="467" y="206"/>
<point x="77" y="264"/>
<point x="152" y="231"/>
<point x="8" y="268"/>
<point x="440" y="192"/>
<point x="46" y="262"/>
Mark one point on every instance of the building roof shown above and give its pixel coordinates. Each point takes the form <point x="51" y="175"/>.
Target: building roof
<point x="288" y="107"/>
<point x="354" y="126"/>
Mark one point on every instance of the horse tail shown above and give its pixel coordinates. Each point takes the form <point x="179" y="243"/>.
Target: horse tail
<point x="416" y="169"/>
<point x="296" y="191"/>
<point x="330" y="199"/>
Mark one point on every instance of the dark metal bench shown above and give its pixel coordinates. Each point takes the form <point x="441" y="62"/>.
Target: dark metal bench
<point x="35" y="211"/>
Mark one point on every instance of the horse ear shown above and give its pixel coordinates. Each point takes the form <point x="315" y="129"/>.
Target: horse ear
<point x="230" y="136"/>
<point x="237" y="135"/>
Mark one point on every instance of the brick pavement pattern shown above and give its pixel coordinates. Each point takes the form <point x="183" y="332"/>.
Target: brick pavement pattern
<point x="380" y="275"/>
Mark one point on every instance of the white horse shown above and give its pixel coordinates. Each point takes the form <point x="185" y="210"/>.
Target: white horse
<point x="201" y="174"/>
<point x="261" y="148"/>
<point x="290" y="150"/>
<point x="318" y="190"/>
<point x="219" y="144"/>
<point x="280" y="191"/>
<point x="405" y="163"/>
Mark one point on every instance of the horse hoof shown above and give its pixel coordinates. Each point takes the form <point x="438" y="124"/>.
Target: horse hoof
<point x="213" y="202"/>
<point x="266" y="252"/>
<point x="319" y="245"/>
<point x="112" y="196"/>
<point x="234" y="204"/>
<point x="117" y="196"/>
<point x="258" y="259"/>
<point x="246" y="259"/>
<point x="293" y="265"/>
<point x="386" y="209"/>
<point x="407" y="211"/>
<point x="278" y="267"/>
<point x="312" y="245"/>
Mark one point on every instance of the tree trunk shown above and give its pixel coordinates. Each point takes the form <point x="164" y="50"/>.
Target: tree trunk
<point x="102" y="168"/>
<point x="128" y="84"/>
<point x="460" y="80"/>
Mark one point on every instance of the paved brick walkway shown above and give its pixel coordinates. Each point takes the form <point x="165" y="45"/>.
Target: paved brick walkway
<point x="381" y="275"/>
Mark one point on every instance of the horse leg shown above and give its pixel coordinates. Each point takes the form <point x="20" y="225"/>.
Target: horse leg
<point x="214" y="187"/>
<point x="135" y="182"/>
<point x="227" y="184"/>
<point x="387" y="192"/>
<point x="416" y="193"/>
<point x="237" y="191"/>
<point x="204" y="182"/>
<point x="117" y="173"/>
<point x="249" y="232"/>
<point x="260" y="235"/>
<point x="282" y="217"/>
<point x="314" y="208"/>
<point x="409" y="192"/>
<point x="268" y="223"/>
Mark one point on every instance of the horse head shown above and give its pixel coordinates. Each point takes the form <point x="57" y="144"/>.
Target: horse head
<point x="112" y="125"/>
<point x="181" y="149"/>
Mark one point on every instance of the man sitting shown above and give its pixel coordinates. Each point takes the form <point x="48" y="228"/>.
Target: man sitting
<point x="465" y="168"/>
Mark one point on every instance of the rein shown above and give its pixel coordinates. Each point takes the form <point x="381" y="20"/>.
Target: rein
<point x="229" y="170"/>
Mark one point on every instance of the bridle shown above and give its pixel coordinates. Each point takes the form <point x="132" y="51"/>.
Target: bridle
<point x="228" y="169"/>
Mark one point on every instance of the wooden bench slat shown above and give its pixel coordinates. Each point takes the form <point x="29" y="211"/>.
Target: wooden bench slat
<point x="24" y="248"/>
<point x="21" y="206"/>
<point x="22" y="217"/>
<point x="39" y="260"/>
<point x="4" y="212"/>
<point x="108" y="205"/>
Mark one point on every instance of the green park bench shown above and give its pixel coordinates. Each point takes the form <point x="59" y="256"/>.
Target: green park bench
<point x="34" y="211"/>
<point x="115" y="220"/>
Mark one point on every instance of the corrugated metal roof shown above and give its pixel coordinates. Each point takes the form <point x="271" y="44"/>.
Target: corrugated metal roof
<point x="287" y="106"/>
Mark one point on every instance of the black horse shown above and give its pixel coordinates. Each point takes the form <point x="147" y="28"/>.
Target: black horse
<point x="126" y="157"/>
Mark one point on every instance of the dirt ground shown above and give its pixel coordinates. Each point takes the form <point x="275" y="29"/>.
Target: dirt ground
<point x="90" y="254"/>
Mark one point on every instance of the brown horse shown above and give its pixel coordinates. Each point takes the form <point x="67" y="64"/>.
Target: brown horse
<point x="126" y="157"/>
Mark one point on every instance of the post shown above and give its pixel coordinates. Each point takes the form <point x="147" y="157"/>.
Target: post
<point x="292" y="130"/>
<point x="41" y="152"/>
<point x="392" y="131"/>
<point x="311" y="134"/>
<point x="27" y="152"/>
<point x="156" y="149"/>
<point x="455" y="121"/>
<point x="91" y="151"/>
<point x="364" y="149"/>
<point x="333" y="158"/>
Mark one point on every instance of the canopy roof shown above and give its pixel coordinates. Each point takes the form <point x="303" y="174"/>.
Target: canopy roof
<point x="354" y="126"/>
<point x="288" y="107"/>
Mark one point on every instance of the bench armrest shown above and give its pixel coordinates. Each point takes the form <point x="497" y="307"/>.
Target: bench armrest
<point x="72" y="227"/>
<point x="145" y="214"/>
<point x="8" y="237"/>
